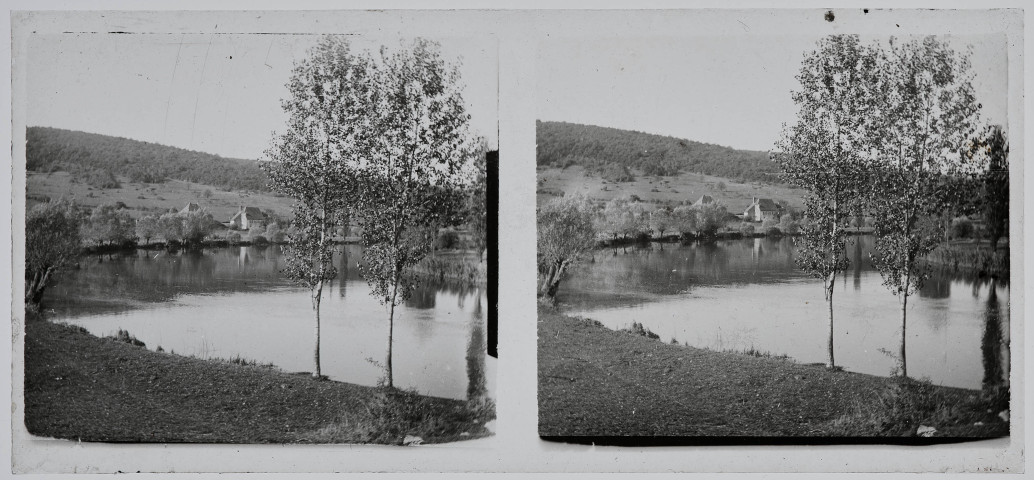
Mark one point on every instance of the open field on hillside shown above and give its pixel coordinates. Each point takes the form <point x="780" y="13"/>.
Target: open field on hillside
<point x="144" y="198"/>
<point x="652" y="189"/>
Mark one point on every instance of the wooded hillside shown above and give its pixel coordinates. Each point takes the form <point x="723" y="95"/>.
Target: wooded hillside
<point x="99" y="159"/>
<point x="610" y="153"/>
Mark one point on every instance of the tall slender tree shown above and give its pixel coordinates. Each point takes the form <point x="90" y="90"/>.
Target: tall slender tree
<point x="419" y="163"/>
<point x="823" y="153"/>
<point x="926" y="112"/>
<point x="991" y="153"/>
<point x="317" y="160"/>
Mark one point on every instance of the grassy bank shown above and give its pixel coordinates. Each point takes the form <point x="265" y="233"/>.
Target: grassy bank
<point x="972" y="257"/>
<point x="81" y="387"/>
<point x="594" y="381"/>
<point x="461" y="266"/>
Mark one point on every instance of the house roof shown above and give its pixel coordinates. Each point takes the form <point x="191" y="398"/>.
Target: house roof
<point x="254" y="213"/>
<point x="704" y="199"/>
<point x="767" y="204"/>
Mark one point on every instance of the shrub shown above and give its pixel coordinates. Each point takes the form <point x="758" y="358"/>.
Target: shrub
<point x="446" y="240"/>
<point x="772" y="231"/>
<point x="274" y="233"/>
<point x="233" y="238"/>
<point x="639" y="329"/>
<point x="259" y="240"/>
<point x="898" y="410"/>
<point x="961" y="228"/>
<point x="124" y="337"/>
<point x="788" y="225"/>
<point x="746" y="229"/>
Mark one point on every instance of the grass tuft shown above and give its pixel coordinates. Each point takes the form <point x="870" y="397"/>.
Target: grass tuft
<point x="125" y="337"/>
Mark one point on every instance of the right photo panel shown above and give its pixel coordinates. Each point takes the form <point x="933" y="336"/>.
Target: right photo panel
<point x="797" y="238"/>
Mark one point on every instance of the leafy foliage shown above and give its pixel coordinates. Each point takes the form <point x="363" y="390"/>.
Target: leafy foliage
<point x="147" y="227"/>
<point x="610" y="152"/>
<point x="416" y="169"/>
<point x="52" y="242"/>
<point x="684" y="220"/>
<point x="624" y="217"/>
<point x="824" y="153"/>
<point x="661" y="220"/>
<point x="109" y="225"/>
<point x="566" y="231"/>
<point x="710" y="217"/>
<point x="929" y="113"/>
<point x="992" y="149"/>
<point x="316" y="159"/>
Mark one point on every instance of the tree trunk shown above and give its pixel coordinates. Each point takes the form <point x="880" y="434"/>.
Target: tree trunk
<point x="829" y="304"/>
<point x="316" y="298"/>
<point x="389" y="380"/>
<point x="552" y="284"/>
<point x="902" y="364"/>
<point x="34" y="290"/>
<point x="547" y="281"/>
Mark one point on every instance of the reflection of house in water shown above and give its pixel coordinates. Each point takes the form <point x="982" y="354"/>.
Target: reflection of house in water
<point x="244" y="256"/>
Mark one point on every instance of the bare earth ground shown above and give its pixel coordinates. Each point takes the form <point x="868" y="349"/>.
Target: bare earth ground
<point x="686" y="186"/>
<point x="598" y="382"/>
<point x="81" y="387"/>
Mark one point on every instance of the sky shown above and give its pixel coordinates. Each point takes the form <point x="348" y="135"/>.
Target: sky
<point x="732" y="90"/>
<point x="212" y="93"/>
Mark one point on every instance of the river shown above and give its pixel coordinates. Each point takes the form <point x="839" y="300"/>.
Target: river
<point x="229" y="302"/>
<point x="747" y="294"/>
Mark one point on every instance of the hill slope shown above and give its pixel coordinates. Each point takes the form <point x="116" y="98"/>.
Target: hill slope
<point x="98" y="159"/>
<point x="610" y="152"/>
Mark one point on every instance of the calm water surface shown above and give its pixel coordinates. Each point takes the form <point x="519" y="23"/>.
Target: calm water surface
<point x="748" y="294"/>
<point x="227" y="302"/>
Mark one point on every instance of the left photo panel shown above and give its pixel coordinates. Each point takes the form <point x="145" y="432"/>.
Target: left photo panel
<point x="255" y="238"/>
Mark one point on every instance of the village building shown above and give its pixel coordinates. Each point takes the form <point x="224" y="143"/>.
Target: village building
<point x="191" y="207"/>
<point x="247" y="218"/>
<point x="761" y="209"/>
<point x="704" y="200"/>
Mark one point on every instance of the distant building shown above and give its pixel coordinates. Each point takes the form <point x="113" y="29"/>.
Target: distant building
<point x="191" y="207"/>
<point x="247" y="218"/>
<point x="761" y="209"/>
<point x="704" y="200"/>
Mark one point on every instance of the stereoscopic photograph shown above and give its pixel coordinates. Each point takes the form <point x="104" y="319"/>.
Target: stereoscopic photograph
<point x="762" y="236"/>
<point x="256" y="238"/>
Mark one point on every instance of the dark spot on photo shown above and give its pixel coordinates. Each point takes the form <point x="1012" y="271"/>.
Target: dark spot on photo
<point x="829" y="16"/>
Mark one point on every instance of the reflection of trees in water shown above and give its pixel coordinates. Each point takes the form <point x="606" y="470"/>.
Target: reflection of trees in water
<point x="856" y="260"/>
<point x="992" y="343"/>
<point x="422" y="298"/>
<point x="477" y="385"/>
<point x="936" y="287"/>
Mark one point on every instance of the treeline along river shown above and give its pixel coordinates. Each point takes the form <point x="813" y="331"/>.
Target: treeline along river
<point x="229" y="302"/>
<point x="748" y="295"/>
